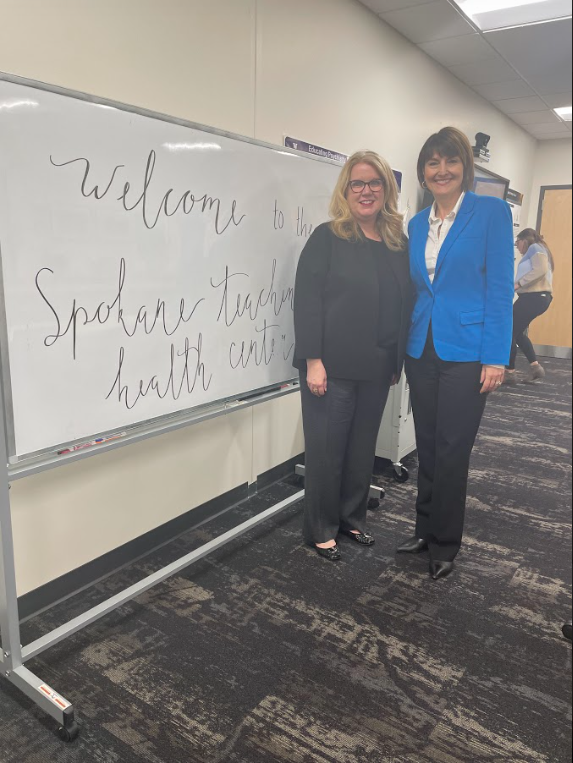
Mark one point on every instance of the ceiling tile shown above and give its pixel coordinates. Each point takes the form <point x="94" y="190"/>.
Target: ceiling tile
<point x="541" y="53"/>
<point x="558" y="101"/>
<point x="549" y="137"/>
<point x="536" y="118"/>
<point x="484" y="72"/>
<point x="516" y="105"/>
<point x="384" y="6"/>
<point x="429" y="22"/>
<point x="548" y="129"/>
<point x="459" y="50"/>
<point x="499" y="91"/>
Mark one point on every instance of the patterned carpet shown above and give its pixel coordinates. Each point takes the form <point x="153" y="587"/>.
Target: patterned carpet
<point x="264" y="653"/>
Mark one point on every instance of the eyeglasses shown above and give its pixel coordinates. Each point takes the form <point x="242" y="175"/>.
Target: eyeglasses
<point x="357" y="186"/>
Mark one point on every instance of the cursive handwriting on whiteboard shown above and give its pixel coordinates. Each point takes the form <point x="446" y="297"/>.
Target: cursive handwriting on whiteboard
<point x="187" y="203"/>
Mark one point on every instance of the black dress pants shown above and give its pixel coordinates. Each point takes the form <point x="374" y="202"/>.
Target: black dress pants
<point x="448" y="409"/>
<point x="340" y="432"/>
<point x="527" y="308"/>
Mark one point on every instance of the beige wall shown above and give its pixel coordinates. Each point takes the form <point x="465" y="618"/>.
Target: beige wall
<point x="552" y="167"/>
<point x="326" y="71"/>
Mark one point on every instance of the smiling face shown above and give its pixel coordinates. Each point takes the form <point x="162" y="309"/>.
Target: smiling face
<point x="366" y="204"/>
<point x="444" y="177"/>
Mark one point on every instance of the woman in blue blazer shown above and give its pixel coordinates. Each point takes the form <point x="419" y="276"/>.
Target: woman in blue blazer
<point x="462" y="266"/>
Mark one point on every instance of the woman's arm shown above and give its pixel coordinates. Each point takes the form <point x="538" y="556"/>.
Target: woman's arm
<point x="498" y="324"/>
<point x="309" y="306"/>
<point x="539" y="269"/>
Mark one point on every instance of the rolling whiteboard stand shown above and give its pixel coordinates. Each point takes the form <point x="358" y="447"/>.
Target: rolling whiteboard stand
<point x="14" y="655"/>
<point x="149" y="262"/>
<point x="397" y="437"/>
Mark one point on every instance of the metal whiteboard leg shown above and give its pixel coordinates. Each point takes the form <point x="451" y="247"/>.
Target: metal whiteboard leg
<point x="11" y="659"/>
<point x="375" y="493"/>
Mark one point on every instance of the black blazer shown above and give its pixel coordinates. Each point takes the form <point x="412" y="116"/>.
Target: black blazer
<point x="336" y="306"/>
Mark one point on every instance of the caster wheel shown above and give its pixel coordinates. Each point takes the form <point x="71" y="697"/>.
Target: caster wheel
<point x="568" y="631"/>
<point x="401" y="474"/>
<point x="373" y="504"/>
<point x="70" y="733"/>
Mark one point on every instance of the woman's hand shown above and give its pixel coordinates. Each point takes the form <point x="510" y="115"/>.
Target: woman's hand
<point x="316" y="377"/>
<point x="491" y="378"/>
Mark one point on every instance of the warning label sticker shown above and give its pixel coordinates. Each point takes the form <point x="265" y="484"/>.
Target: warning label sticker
<point x="54" y="697"/>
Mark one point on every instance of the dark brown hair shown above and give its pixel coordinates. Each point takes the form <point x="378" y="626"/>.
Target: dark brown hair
<point x="449" y="142"/>
<point x="531" y="237"/>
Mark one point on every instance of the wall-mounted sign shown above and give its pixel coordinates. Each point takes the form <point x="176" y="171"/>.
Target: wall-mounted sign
<point x="515" y="201"/>
<point x="309" y="148"/>
<point x="325" y="153"/>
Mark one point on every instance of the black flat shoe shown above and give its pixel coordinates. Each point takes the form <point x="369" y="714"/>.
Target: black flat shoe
<point x="365" y="539"/>
<point x="413" y="546"/>
<point x="330" y="554"/>
<point x="440" y="570"/>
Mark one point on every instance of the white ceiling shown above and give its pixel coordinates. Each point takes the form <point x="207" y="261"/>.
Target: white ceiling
<point x="524" y="71"/>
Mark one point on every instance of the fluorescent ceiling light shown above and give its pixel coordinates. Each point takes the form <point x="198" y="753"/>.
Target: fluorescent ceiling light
<point x="566" y="113"/>
<point x="500" y="14"/>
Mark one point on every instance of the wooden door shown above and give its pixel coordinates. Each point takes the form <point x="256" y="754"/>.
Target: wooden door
<point x="554" y="328"/>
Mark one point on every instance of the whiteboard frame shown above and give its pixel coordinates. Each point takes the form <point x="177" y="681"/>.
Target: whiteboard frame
<point x="32" y="463"/>
<point x="13" y="655"/>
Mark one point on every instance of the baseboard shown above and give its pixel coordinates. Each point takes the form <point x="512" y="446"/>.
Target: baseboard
<point x="73" y="582"/>
<point x="278" y="472"/>
<point x="547" y="351"/>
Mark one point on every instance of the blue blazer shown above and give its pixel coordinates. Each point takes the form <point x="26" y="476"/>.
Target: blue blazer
<point x="470" y="303"/>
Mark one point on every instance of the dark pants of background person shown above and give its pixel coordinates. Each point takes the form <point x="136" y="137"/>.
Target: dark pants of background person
<point x="527" y="308"/>
<point x="448" y="410"/>
<point x="340" y="431"/>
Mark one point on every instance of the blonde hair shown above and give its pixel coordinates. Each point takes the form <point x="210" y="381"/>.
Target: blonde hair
<point x="390" y="222"/>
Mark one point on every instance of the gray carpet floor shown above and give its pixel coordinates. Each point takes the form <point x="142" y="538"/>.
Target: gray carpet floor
<point x="264" y="653"/>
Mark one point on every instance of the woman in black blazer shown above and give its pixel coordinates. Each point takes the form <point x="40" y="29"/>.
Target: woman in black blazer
<point x="351" y="313"/>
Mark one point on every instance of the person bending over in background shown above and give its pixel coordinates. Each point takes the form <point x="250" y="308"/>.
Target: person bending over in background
<point x="462" y="263"/>
<point x="534" y="286"/>
<point x="351" y="313"/>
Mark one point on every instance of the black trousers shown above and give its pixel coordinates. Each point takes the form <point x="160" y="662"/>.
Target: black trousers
<point x="340" y="431"/>
<point x="448" y="410"/>
<point x="527" y="308"/>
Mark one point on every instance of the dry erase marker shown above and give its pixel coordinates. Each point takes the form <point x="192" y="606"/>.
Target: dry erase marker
<point x="91" y="443"/>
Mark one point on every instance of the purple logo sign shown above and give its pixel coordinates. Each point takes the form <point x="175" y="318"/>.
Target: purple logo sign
<point x="325" y="153"/>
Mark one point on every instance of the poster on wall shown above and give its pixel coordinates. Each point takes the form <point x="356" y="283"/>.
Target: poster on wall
<point x="515" y="201"/>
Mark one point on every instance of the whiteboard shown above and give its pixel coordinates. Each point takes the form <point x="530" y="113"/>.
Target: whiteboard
<point x="148" y="264"/>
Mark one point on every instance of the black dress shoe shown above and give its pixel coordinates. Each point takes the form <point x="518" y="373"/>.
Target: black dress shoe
<point x="365" y="539"/>
<point x="413" y="546"/>
<point x="331" y="554"/>
<point x="439" y="570"/>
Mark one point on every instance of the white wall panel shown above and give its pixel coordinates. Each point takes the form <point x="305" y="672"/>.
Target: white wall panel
<point x="192" y="59"/>
<point x="68" y="516"/>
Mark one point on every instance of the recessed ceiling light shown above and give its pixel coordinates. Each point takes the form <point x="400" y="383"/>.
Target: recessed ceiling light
<point x="499" y="14"/>
<point x="566" y="113"/>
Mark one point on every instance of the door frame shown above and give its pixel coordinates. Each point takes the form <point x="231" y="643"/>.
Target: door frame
<point x="546" y="351"/>
<point x="542" y="192"/>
